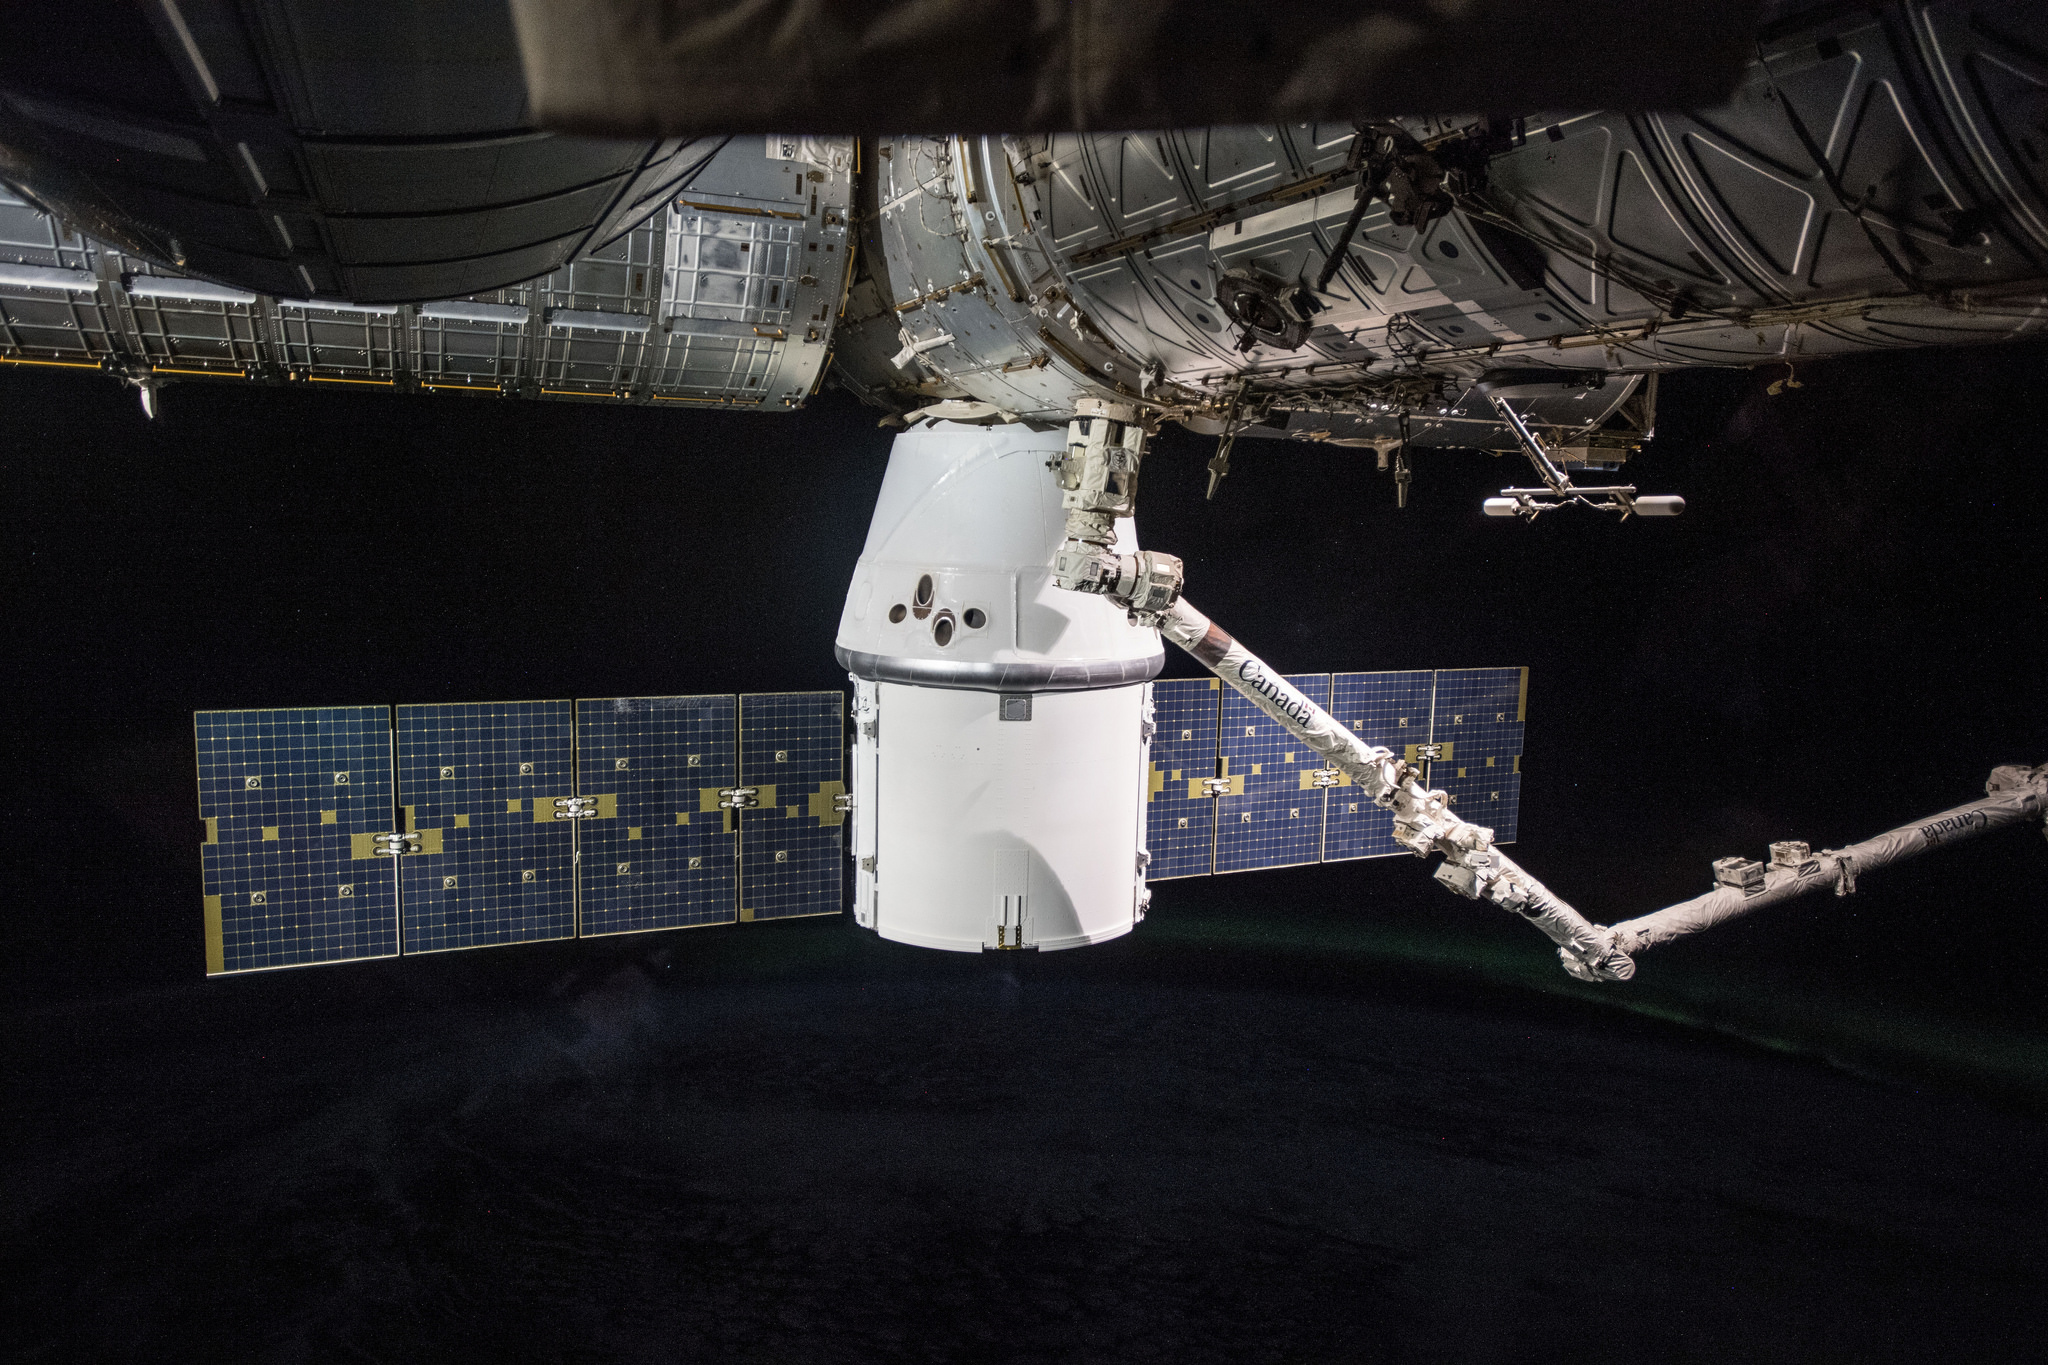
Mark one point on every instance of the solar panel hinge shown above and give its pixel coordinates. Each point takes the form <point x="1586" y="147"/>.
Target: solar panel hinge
<point x="1215" y="786"/>
<point x="1325" y="777"/>
<point x="842" y="803"/>
<point x="575" y="807"/>
<point x="393" y="845"/>
<point x="738" y="798"/>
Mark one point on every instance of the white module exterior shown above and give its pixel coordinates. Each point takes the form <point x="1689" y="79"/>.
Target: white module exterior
<point x="977" y="509"/>
<point x="971" y="830"/>
<point x="980" y="828"/>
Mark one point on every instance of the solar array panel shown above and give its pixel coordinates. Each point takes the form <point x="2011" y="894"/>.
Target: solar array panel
<point x="792" y="842"/>
<point x="1274" y="804"/>
<point x="1274" y="816"/>
<point x="479" y="782"/>
<point x="350" y="832"/>
<point x="1180" y="815"/>
<point x="1388" y="709"/>
<point x="1481" y="715"/>
<point x="292" y="801"/>
<point x="665" y="855"/>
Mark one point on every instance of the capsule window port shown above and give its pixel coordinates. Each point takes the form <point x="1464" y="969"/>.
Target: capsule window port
<point x="897" y="613"/>
<point x="942" y="629"/>
<point x="975" y="618"/>
<point x="921" y="600"/>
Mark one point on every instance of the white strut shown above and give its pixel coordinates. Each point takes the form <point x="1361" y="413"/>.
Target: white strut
<point x="2015" y="794"/>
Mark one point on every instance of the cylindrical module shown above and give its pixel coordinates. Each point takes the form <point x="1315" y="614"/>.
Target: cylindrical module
<point x="1002" y="722"/>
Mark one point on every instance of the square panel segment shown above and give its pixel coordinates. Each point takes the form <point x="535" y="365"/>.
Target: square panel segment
<point x="1481" y="716"/>
<point x="1180" y="815"/>
<point x="660" y="853"/>
<point x="792" y="843"/>
<point x="1272" y="814"/>
<point x="485" y="785"/>
<point x="292" y="802"/>
<point x="1392" y="710"/>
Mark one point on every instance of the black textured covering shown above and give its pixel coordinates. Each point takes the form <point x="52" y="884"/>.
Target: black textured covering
<point x="371" y="153"/>
<point x="646" y="67"/>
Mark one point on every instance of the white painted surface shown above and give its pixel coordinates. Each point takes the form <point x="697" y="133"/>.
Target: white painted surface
<point x="977" y="509"/>
<point x="969" y="808"/>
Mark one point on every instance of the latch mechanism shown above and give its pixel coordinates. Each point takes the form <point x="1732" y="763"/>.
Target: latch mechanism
<point x="1325" y="777"/>
<point x="392" y="845"/>
<point x="575" y="807"/>
<point x="1215" y="786"/>
<point x="738" y="798"/>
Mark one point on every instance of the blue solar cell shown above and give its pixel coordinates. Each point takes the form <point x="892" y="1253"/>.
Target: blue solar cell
<point x="660" y="854"/>
<point x="1391" y="710"/>
<point x="792" y="844"/>
<point x="1481" y="716"/>
<point x="1273" y="814"/>
<point x="292" y="801"/>
<point x="480" y="784"/>
<point x="1180" y="817"/>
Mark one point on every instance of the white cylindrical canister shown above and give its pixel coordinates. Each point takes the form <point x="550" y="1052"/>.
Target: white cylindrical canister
<point x="1001" y="722"/>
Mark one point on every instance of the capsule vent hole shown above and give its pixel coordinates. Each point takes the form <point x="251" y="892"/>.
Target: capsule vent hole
<point x="896" y="614"/>
<point x="976" y="618"/>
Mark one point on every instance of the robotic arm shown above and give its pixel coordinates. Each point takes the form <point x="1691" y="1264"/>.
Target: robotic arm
<point x="1099" y="475"/>
<point x="1423" y="821"/>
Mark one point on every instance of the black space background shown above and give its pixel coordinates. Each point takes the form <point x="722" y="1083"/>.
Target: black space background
<point x="1844" y="631"/>
<point x="1327" y="1113"/>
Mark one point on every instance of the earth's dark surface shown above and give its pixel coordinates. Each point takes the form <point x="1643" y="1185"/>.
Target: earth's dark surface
<point x="803" y="1144"/>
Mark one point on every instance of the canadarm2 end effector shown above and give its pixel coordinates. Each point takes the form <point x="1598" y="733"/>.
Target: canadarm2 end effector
<point x="1098" y="480"/>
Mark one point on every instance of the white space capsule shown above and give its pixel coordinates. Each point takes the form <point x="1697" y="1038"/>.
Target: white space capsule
<point x="1001" y="722"/>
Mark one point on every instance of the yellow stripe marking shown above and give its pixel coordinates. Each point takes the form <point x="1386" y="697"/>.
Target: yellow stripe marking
<point x="216" y="956"/>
